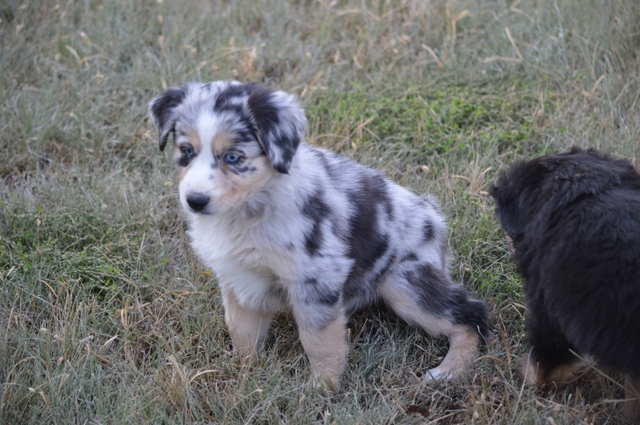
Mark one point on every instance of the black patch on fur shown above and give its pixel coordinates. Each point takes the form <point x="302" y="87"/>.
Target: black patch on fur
<point x="264" y="111"/>
<point x="366" y="244"/>
<point x="409" y="257"/>
<point x="428" y="231"/>
<point x="574" y="219"/>
<point x="433" y="287"/>
<point x="226" y="98"/>
<point x="162" y="112"/>
<point x="331" y="167"/>
<point x="384" y="270"/>
<point x="232" y="100"/>
<point x="183" y="161"/>
<point x="316" y="210"/>
<point x="247" y="169"/>
<point x="268" y="118"/>
<point x="329" y="299"/>
<point x="367" y="257"/>
<point x="244" y="135"/>
<point x="467" y="311"/>
<point x="440" y="296"/>
<point x="375" y="187"/>
<point x="313" y="241"/>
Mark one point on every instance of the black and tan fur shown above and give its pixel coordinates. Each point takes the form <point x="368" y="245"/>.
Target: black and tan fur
<point x="574" y="224"/>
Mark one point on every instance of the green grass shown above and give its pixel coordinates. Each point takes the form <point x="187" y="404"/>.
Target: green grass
<point x="106" y="316"/>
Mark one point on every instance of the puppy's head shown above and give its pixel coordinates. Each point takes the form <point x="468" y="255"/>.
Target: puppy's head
<point x="230" y="140"/>
<point x="514" y="192"/>
<point x="533" y="192"/>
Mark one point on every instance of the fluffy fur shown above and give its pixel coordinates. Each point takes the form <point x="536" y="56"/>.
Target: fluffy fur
<point x="574" y="224"/>
<point x="288" y="226"/>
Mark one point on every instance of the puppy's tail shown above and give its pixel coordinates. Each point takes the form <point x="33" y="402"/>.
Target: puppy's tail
<point x="473" y="313"/>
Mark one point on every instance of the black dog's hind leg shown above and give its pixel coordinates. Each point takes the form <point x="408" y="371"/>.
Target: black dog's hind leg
<point x="552" y="358"/>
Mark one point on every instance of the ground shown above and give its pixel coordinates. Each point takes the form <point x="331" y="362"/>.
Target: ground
<point x="107" y="317"/>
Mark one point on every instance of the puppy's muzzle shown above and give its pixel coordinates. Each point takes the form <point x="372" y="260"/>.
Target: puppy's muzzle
<point x="197" y="201"/>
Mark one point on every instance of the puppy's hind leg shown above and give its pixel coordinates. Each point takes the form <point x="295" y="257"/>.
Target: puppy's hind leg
<point x="552" y="358"/>
<point x="464" y="343"/>
<point x="424" y="295"/>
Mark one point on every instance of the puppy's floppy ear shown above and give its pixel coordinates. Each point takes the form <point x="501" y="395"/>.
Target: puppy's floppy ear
<point x="161" y="111"/>
<point x="508" y="208"/>
<point x="518" y="193"/>
<point x="280" y="122"/>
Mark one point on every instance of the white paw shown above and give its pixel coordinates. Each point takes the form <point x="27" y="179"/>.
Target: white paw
<point x="437" y="374"/>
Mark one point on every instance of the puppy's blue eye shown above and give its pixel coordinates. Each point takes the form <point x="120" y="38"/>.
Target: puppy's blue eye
<point x="231" y="158"/>
<point x="187" y="150"/>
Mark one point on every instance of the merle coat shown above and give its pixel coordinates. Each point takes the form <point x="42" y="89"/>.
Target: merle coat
<point x="286" y="225"/>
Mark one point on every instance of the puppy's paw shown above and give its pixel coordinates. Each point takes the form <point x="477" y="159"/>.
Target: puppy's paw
<point x="438" y="374"/>
<point x="326" y="384"/>
<point x="534" y="374"/>
<point x="529" y="371"/>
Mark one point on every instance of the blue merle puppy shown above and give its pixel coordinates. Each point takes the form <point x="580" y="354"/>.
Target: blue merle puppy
<point x="285" y="225"/>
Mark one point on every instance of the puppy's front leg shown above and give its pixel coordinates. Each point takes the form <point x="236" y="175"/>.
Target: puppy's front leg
<point x="323" y="333"/>
<point x="248" y="328"/>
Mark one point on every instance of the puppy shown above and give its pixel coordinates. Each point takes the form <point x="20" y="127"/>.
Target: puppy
<point x="574" y="224"/>
<point x="285" y="225"/>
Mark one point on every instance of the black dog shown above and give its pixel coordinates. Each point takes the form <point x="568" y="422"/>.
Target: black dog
<point x="573" y="221"/>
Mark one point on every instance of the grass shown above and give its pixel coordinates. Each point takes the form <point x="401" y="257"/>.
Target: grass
<point x="107" y="317"/>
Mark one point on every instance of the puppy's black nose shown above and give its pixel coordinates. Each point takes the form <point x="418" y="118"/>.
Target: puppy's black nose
<point x="197" y="201"/>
